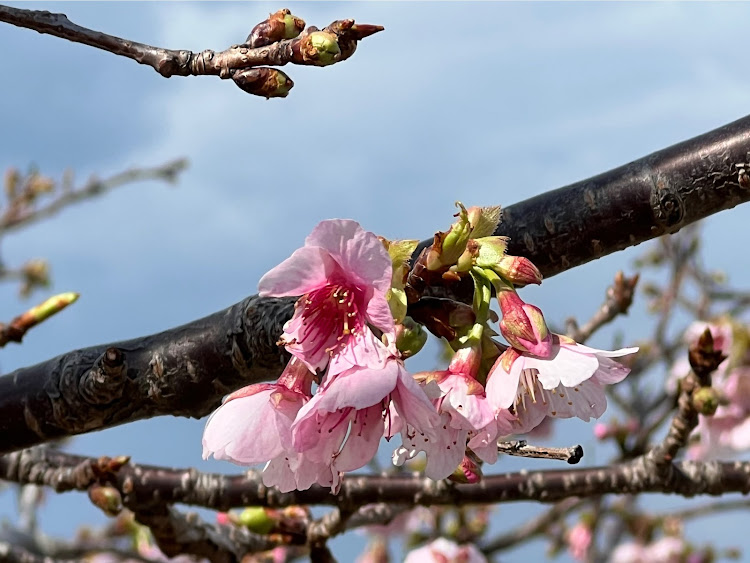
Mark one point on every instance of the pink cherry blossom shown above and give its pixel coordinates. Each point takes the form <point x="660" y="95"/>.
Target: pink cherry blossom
<point x="342" y="425"/>
<point x="442" y="550"/>
<point x="253" y="425"/>
<point x="568" y="383"/>
<point x="579" y="540"/>
<point x="465" y="414"/>
<point x="343" y="274"/>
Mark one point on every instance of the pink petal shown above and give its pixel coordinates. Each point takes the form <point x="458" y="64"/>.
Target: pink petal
<point x="363" y="440"/>
<point x="502" y="387"/>
<point x="444" y="456"/>
<point x="566" y="366"/>
<point x="277" y="473"/>
<point x="359" y="253"/>
<point x="320" y="434"/>
<point x="484" y="443"/>
<point x="307" y="269"/>
<point x="413" y="404"/>
<point x="610" y="371"/>
<point x="530" y="415"/>
<point x="243" y="431"/>
<point x="379" y="313"/>
<point x="361" y="350"/>
<point x="357" y="388"/>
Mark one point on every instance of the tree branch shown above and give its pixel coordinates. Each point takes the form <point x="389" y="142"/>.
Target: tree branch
<point x="18" y="215"/>
<point x="338" y="43"/>
<point x="141" y="485"/>
<point x="186" y="371"/>
<point x="655" y="195"/>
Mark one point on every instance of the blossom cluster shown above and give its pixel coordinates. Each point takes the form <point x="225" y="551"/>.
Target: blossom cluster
<point x="346" y="385"/>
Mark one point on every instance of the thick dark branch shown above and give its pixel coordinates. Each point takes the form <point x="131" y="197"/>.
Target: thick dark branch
<point x="186" y="371"/>
<point x="653" y="196"/>
<point x="142" y="485"/>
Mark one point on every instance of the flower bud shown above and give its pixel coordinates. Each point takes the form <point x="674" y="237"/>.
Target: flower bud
<point x="523" y="325"/>
<point x="51" y="306"/>
<point x="467" y="472"/>
<point x="257" y="519"/>
<point x="447" y="247"/>
<point x="320" y="48"/>
<point x="518" y="270"/>
<point x="279" y="25"/>
<point x="107" y="498"/>
<point x="410" y="337"/>
<point x="706" y="400"/>
<point x="266" y="82"/>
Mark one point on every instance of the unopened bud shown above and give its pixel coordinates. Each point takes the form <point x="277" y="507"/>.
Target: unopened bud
<point x="107" y="498"/>
<point x="36" y="272"/>
<point x="39" y="184"/>
<point x="257" y="519"/>
<point x="224" y="518"/>
<point x="523" y="325"/>
<point x="266" y="82"/>
<point x="518" y="270"/>
<point x="51" y="306"/>
<point x="320" y="48"/>
<point x="279" y="25"/>
<point x="410" y="337"/>
<point x="704" y="359"/>
<point x="447" y="247"/>
<point x="467" y="472"/>
<point x="706" y="400"/>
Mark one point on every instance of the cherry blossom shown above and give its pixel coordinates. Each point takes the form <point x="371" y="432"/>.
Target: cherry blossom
<point x="568" y="383"/>
<point x="343" y="274"/>
<point x="442" y="550"/>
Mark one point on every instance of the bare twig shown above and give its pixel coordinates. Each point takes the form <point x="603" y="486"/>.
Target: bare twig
<point x="619" y="298"/>
<point x="532" y="528"/>
<point x="520" y="448"/>
<point x="17" y="215"/>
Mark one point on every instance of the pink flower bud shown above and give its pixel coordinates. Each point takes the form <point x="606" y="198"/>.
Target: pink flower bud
<point x="519" y="270"/>
<point x="523" y="325"/>
<point x="601" y="431"/>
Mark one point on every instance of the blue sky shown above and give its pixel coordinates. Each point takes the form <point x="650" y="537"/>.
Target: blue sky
<point x="479" y="102"/>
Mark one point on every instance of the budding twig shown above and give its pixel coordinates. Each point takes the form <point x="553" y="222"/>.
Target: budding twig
<point x="695" y="396"/>
<point x="18" y="327"/>
<point x="274" y="42"/>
